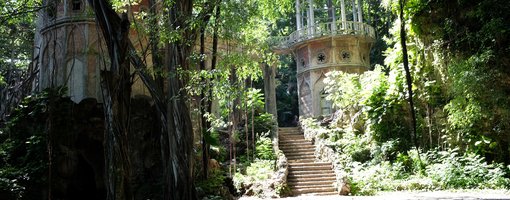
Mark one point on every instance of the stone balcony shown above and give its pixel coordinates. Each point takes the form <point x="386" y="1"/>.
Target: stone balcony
<point x="283" y="44"/>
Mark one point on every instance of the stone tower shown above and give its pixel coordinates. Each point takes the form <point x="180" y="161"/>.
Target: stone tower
<point x="67" y="45"/>
<point x="70" y="50"/>
<point x="330" y="36"/>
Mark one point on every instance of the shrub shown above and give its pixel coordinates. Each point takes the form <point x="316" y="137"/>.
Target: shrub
<point x="265" y="149"/>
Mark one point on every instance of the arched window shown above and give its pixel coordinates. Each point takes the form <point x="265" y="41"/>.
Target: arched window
<point x="326" y="105"/>
<point x="76" y="5"/>
<point x="76" y="80"/>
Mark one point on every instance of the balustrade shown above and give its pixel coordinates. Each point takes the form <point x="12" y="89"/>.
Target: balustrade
<point x="320" y="30"/>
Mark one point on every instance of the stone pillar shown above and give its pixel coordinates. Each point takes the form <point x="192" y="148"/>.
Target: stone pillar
<point x="354" y="14"/>
<point x="299" y="20"/>
<point x="360" y="12"/>
<point x="342" y="13"/>
<point x="311" y="20"/>
<point x="331" y="8"/>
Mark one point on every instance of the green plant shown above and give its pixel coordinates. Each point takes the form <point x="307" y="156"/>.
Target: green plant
<point x="256" y="172"/>
<point x="453" y="170"/>
<point x="264" y="149"/>
<point x="213" y="184"/>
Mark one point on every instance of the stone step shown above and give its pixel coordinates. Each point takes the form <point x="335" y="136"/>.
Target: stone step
<point x="295" y="132"/>
<point x="287" y="150"/>
<point x="303" y="186"/>
<point x="313" y="190"/>
<point x="289" y="130"/>
<point x="299" y="157"/>
<point x="310" y="164"/>
<point x="299" y="150"/>
<point x="284" y="134"/>
<point x="320" y="194"/>
<point x="305" y="175"/>
<point x="311" y="179"/>
<point x="310" y="174"/>
<point x="295" y="142"/>
<point x="302" y="161"/>
<point x="309" y="182"/>
<point x="291" y="138"/>
<point x="293" y="148"/>
<point x="310" y="167"/>
<point x="326" y="173"/>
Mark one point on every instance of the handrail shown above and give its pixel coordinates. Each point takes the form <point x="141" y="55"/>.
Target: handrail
<point x="320" y="30"/>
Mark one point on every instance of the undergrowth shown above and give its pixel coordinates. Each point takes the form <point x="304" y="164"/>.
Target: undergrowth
<point x="371" y="167"/>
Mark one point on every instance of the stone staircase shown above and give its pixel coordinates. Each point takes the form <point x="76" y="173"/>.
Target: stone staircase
<point x="306" y="176"/>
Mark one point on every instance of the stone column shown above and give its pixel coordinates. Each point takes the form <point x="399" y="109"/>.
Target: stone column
<point x="354" y="14"/>
<point x="342" y="13"/>
<point x="311" y="19"/>
<point x="331" y="8"/>
<point x="360" y="12"/>
<point x="299" y="20"/>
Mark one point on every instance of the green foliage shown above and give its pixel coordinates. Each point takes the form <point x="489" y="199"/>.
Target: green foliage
<point x="379" y="103"/>
<point x="477" y="113"/>
<point x="213" y="184"/>
<point x="256" y="172"/>
<point x="264" y="149"/>
<point x="23" y="147"/>
<point x="452" y="170"/>
<point x="371" y="166"/>
<point x="263" y="123"/>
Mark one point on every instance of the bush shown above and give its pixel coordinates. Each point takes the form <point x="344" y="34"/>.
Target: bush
<point x="265" y="149"/>
<point x="469" y="170"/>
<point x="214" y="183"/>
<point x="257" y="172"/>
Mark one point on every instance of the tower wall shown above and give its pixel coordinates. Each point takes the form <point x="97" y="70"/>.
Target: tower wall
<point x="71" y="51"/>
<point x="315" y="58"/>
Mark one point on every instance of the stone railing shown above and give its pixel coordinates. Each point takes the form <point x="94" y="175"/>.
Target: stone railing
<point x="321" y="30"/>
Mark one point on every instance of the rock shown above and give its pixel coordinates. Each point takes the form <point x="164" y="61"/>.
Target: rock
<point x="345" y="187"/>
<point x="213" y="165"/>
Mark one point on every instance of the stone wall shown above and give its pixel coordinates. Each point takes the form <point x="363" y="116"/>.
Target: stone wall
<point x="317" y="57"/>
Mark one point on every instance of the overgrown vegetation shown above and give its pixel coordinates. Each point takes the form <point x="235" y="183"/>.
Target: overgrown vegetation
<point x="371" y="166"/>
<point x="458" y="60"/>
<point x="24" y="146"/>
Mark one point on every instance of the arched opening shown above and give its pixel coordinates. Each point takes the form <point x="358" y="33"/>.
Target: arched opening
<point x="326" y="105"/>
<point x="76" y="79"/>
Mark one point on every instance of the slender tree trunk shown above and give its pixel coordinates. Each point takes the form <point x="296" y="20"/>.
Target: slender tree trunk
<point x="253" y="124"/>
<point x="246" y="119"/>
<point x="203" y="107"/>
<point x="409" y="79"/>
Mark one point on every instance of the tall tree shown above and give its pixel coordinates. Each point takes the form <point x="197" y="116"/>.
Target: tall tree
<point x="177" y="134"/>
<point x="409" y="79"/>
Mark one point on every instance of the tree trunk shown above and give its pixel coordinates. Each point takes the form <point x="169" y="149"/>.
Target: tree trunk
<point x="116" y="86"/>
<point x="409" y="79"/>
<point x="270" y="94"/>
<point x="175" y="119"/>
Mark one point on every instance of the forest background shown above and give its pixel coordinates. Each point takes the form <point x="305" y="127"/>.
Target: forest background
<point x="458" y="69"/>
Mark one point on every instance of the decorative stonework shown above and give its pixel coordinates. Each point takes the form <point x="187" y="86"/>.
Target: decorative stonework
<point x="302" y="62"/>
<point x="321" y="57"/>
<point x="345" y="55"/>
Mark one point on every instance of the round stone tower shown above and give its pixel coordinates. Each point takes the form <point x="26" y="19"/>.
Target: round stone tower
<point x="67" y="49"/>
<point x="331" y="35"/>
<point x="70" y="49"/>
